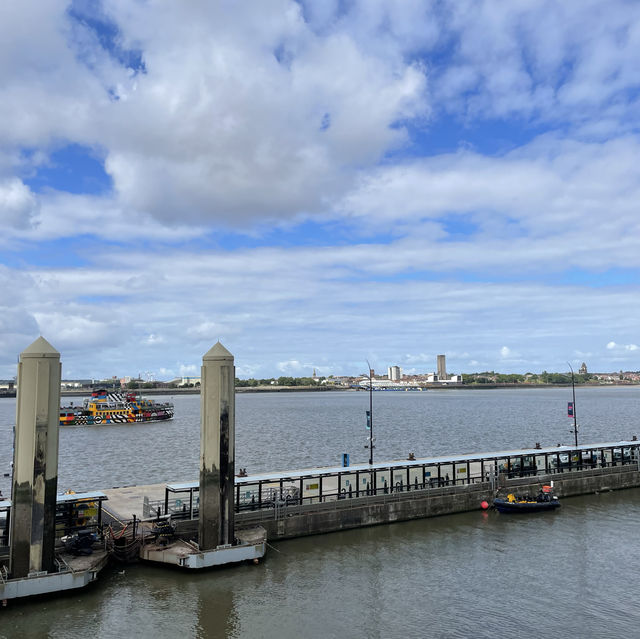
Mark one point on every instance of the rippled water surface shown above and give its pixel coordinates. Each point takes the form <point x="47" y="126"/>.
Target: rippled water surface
<point x="572" y="573"/>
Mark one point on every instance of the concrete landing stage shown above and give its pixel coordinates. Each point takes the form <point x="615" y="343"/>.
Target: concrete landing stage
<point x="187" y="554"/>
<point x="76" y="572"/>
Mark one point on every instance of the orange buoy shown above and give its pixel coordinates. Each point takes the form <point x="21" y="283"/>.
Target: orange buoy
<point x="484" y="505"/>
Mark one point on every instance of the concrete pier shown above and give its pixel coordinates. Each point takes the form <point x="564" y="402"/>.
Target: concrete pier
<point x="217" y="446"/>
<point x="35" y="466"/>
<point x="320" y="500"/>
<point x="36" y="565"/>
<point x="217" y="544"/>
<point x="331" y="516"/>
<point x="314" y="519"/>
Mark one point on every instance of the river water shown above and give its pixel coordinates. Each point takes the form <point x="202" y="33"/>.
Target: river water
<point x="569" y="573"/>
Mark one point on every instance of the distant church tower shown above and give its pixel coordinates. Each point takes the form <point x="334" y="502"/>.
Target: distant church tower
<point x="583" y="369"/>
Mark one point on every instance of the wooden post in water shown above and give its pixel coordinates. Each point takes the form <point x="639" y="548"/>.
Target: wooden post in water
<point x="35" y="461"/>
<point x="217" y="445"/>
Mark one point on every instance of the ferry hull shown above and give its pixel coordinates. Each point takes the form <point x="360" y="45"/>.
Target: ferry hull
<point x="115" y="408"/>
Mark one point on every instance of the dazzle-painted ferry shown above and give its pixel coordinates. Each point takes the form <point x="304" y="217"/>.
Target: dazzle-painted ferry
<point x="114" y="408"/>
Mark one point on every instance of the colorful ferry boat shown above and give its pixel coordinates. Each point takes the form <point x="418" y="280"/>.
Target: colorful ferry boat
<point x="115" y="408"/>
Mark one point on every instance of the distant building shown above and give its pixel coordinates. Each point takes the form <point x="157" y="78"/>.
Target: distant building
<point x="442" y="368"/>
<point x="394" y="373"/>
<point x="434" y="378"/>
<point x="340" y="380"/>
<point x="70" y="384"/>
<point x="383" y="384"/>
<point x="67" y="384"/>
<point x="583" y="369"/>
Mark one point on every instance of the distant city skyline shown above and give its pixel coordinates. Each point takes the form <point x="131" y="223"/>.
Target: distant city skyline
<point x="394" y="373"/>
<point x="320" y="184"/>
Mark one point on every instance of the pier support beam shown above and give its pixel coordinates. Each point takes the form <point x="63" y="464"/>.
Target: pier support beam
<point x="217" y="446"/>
<point x="35" y="461"/>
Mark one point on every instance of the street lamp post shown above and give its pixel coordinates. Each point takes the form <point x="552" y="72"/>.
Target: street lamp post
<point x="370" y="416"/>
<point x="575" y="417"/>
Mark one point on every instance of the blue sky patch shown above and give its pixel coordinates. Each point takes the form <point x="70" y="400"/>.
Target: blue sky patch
<point x="594" y="278"/>
<point x="73" y="169"/>
<point x="90" y="15"/>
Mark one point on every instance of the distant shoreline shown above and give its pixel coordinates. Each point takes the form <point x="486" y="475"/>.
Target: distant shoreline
<point x="326" y="389"/>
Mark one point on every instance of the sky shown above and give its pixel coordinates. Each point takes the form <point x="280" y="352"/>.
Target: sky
<point x="320" y="184"/>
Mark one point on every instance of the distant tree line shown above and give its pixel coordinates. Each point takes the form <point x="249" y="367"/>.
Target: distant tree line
<point x="134" y="384"/>
<point x="271" y="381"/>
<point x="491" y="377"/>
<point x="280" y="381"/>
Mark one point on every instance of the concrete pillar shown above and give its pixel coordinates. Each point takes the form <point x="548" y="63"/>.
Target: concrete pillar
<point x="35" y="460"/>
<point x="217" y="448"/>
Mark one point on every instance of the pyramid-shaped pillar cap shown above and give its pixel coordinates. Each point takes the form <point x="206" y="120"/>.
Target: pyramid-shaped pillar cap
<point x="40" y="348"/>
<point x="217" y="352"/>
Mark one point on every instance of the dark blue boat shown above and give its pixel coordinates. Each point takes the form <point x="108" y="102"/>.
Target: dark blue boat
<point x="545" y="500"/>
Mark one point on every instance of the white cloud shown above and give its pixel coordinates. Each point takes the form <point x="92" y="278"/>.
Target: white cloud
<point x="619" y="350"/>
<point x="18" y="329"/>
<point x="248" y="371"/>
<point x="73" y="331"/>
<point x="208" y="331"/>
<point x="294" y="367"/>
<point x="18" y="205"/>
<point x="246" y="132"/>
<point x="276" y="111"/>
<point x="58" y="215"/>
<point x="239" y="115"/>
<point x="273" y="112"/>
<point x="47" y="93"/>
<point x="287" y="306"/>
<point x="621" y="347"/>
<point x="546" y="59"/>
<point x="505" y="352"/>
<point x="549" y="179"/>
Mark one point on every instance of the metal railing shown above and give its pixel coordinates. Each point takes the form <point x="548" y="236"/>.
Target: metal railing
<point x="62" y="565"/>
<point x="290" y="490"/>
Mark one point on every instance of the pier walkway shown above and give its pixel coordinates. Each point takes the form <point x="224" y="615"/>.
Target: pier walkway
<point x="125" y="502"/>
<point x="438" y="484"/>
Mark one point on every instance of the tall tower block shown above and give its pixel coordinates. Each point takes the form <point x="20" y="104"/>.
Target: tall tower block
<point x="217" y="448"/>
<point x="35" y="460"/>
<point x="442" y="368"/>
